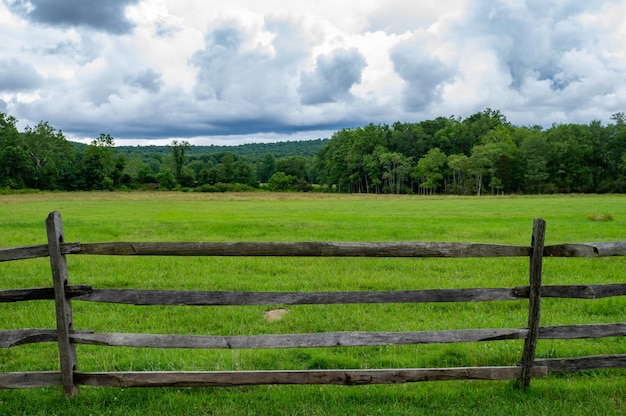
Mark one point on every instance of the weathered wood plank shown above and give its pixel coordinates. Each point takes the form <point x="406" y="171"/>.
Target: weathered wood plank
<point x="576" y="291"/>
<point x="338" y="377"/>
<point x="583" y="331"/>
<point x="20" y="295"/>
<point x="63" y="306"/>
<point x="314" y="249"/>
<point x="209" y="298"/>
<point x="204" y="298"/>
<point x="583" y="363"/>
<point x="23" y="253"/>
<point x="324" y="339"/>
<point x="15" y="337"/>
<point x="30" y="380"/>
<point x="40" y="293"/>
<point x="610" y="249"/>
<point x="586" y="250"/>
<point x="534" y="302"/>
<point x="343" y="339"/>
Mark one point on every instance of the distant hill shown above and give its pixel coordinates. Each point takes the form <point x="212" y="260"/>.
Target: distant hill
<point x="251" y="151"/>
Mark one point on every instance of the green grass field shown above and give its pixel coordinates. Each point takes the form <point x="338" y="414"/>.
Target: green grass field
<point x="100" y="217"/>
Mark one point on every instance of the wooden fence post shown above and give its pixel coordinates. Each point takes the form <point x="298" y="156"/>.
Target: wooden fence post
<point x="58" y="264"/>
<point x="534" y="303"/>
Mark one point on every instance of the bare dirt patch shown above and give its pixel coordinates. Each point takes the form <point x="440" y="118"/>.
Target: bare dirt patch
<point x="275" y="314"/>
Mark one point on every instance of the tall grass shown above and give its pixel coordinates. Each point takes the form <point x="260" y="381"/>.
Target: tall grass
<point x="99" y="217"/>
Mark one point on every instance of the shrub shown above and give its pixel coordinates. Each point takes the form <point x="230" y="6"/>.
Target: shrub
<point x="600" y="217"/>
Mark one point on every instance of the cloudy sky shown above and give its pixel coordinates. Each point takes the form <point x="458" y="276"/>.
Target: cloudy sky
<point x="236" y="71"/>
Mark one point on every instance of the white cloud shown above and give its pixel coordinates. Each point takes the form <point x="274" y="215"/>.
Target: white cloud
<point x="164" y="69"/>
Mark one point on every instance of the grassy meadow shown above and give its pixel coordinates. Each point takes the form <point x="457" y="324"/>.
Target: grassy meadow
<point x="159" y="216"/>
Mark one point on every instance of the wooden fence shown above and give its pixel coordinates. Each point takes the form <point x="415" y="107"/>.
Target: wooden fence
<point x="67" y="336"/>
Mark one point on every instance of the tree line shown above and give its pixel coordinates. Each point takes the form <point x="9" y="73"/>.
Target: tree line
<point x="41" y="158"/>
<point x="481" y="154"/>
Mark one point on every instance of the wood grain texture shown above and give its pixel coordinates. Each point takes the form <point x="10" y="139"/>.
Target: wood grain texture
<point x="583" y="363"/>
<point x="322" y="339"/>
<point x="339" y="377"/>
<point x="219" y="298"/>
<point x="41" y="293"/>
<point x="586" y="250"/>
<point x="576" y="291"/>
<point x="23" y="253"/>
<point x="207" y="298"/>
<point x="311" y="249"/>
<point x="63" y="306"/>
<point x="534" y="302"/>
<point x="14" y="337"/>
<point x="216" y="298"/>
<point x="30" y="380"/>
<point x="583" y="331"/>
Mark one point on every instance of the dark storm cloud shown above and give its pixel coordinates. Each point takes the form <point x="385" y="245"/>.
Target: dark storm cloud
<point x="332" y="78"/>
<point x="17" y="76"/>
<point x="107" y="16"/>
<point x="423" y="73"/>
<point x="160" y="127"/>
<point x="148" y="80"/>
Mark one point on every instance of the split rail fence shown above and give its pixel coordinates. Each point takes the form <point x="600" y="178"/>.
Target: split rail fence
<point x="70" y="378"/>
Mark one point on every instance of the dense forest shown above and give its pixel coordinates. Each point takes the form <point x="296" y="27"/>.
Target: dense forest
<point x="481" y="154"/>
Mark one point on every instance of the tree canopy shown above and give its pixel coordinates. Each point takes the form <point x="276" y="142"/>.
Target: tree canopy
<point x="481" y="154"/>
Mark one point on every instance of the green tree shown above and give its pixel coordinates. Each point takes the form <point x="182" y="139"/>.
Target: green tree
<point x="429" y="169"/>
<point x="396" y="168"/>
<point x="209" y="174"/>
<point x="613" y="155"/>
<point x="226" y="168"/>
<point x="332" y="161"/>
<point x="187" y="177"/>
<point x="266" y="167"/>
<point x="363" y="143"/>
<point x="293" y="166"/>
<point x="504" y="156"/>
<point x="280" y="182"/>
<point x="99" y="163"/>
<point x="244" y="173"/>
<point x="132" y="169"/>
<point x="571" y="146"/>
<point x="460" y="166"/>
<point x="479" y="163"/>
<point x="166" y="179"/>
<point x="15" y="165"/>
<point x="146" y="175"/>
<point x="49" y="152"/>
<point x="534" y="153"/>
<point x="179" y="150"/>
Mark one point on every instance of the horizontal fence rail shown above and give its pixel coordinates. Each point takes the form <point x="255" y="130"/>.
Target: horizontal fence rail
<point x="67" y="337"/>
<point x="230" y="298"/>
<point x="316" y="249"/>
